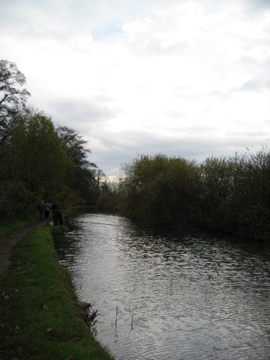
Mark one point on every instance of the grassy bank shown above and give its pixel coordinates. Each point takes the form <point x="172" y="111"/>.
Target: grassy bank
<point x="39" y="317"/>
<point x="7" y="229"/>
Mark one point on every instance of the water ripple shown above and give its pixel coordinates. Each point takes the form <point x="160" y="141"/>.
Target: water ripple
<point x="167" y="296"/>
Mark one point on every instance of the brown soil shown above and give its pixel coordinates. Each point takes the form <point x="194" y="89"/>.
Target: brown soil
<point x="7" y="244"/>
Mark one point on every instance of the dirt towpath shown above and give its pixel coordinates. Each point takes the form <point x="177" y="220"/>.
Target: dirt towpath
<point x="7" y="244"/>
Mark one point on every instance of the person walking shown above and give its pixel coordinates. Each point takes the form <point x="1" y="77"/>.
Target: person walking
<point x="57" y="217"/>
<point x="47" y="209"/>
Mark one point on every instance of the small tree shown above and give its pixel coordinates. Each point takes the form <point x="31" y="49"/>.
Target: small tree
<point x="160" y="190"/>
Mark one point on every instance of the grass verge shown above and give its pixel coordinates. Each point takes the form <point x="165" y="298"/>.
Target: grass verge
<point x="7" y="229"/>
<point x="39" y="319"/>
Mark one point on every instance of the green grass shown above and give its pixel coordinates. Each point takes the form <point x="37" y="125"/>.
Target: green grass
<point x="8" y="229"/>
<point x="39" y="318"/>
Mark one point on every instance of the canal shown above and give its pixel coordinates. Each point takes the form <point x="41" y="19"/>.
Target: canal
<point x="166" y="295"/>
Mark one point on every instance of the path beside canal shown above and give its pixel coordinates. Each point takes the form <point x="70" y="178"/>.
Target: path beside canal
<point x="7" y="244"/>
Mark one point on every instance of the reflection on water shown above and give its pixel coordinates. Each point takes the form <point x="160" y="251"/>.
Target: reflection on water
<point x="164" y="296"/>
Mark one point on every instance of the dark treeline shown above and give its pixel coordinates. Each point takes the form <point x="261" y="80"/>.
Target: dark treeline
<point x="41" y="161"/>
<point x="222" y="194"/>
<point x="38" y="160"/>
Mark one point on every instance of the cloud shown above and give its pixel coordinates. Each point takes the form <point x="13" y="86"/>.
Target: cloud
<point x="184" y="78"/>
<point x="73" y="112"/>
<point x="257" y="6"/>
<point x="126" y="146"/>
<point x="105" y="31"/>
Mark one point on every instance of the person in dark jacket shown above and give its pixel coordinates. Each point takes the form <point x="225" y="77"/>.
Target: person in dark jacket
<point x="47" y="209"/>
<point x="57" y="217"/>
<point x="54" y="207"/>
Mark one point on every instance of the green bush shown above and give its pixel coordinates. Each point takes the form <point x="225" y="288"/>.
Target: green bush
<point x="223" y="194"/>
<point x="16" y="203"/>
<point x="160" y="190"/>
<point x="254" y="222"/>
<point x="106" y="203"/>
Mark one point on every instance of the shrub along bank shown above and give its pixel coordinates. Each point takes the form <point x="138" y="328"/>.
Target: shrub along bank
<point x="228" y="194"/>
<point x="39" y="313"/>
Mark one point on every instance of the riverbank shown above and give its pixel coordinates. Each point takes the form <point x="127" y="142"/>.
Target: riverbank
<point x="39" y="313"/>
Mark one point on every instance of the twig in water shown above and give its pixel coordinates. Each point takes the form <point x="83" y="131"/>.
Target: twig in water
<point x="116" y="311"/>
<point x="114" y="324"/>
<point x="131" y="319"/>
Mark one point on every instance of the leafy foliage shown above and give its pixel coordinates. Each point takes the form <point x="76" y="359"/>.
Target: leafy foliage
<point x="106" y="203"/>
<point x="35" y="156"/>
<point x="12" y="98"/>
<point x="80" y="177"/>
<point x="225" y="194"/>
<point x="16" y="203"/>
<point x="50" y="163"/>
<point x="160" y="190"/>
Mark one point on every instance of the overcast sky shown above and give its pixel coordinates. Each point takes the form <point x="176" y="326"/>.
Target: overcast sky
<point x="174" y="77"/>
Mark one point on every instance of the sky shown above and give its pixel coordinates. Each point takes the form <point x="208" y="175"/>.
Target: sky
<point x="183" y="78"/>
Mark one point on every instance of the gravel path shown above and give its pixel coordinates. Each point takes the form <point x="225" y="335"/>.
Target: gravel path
<point x="7" y="244"/>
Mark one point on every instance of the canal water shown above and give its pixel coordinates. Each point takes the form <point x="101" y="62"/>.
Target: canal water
<point x="168" y="296"/>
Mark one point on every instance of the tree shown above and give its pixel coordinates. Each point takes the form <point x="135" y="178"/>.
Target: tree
<point x="252" y="193"/>
<point x="12" y="98"/>
<point x="75" y="146"/>
<point x="160" y="190"/>
<point x="16" y="202"/>
<point x="216" y="192"/>
<point x="35" y="156"/>
<point x="80" y="176"/>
